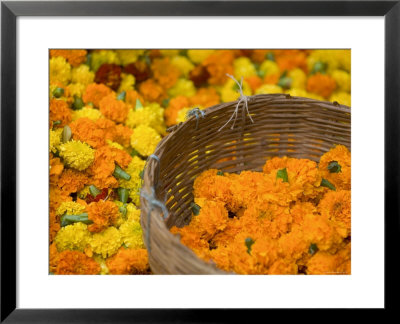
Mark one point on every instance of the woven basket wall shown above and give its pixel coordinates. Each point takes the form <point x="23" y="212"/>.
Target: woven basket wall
<point x="283" y="125"/>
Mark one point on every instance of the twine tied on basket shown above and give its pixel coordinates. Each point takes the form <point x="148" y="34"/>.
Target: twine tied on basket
<point x="241" y="99"/>
<point x="195" y="112"/>
<point x="153" y="201"/>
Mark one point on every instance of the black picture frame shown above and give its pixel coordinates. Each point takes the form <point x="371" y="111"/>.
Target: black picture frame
<point x="10" y="10"/>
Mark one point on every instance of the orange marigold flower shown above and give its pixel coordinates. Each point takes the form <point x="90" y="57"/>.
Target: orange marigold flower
<point x="54" y="226"/>
<point x="53" y="257"/>
<point x="72" y="180"/>
<point x="271" y="78"/>
<point x="122" y="135"/>
<point x="94" y="93"/>
<point x="254" y="82"/>
<point x="152" y="91"/>
<point x="86" y="130"/>
<point x="218" y="64"/>
<point x="103" y="166"/>
<point x="336" y="206"/>
<point x="324" y="263"/>
<point x="56" y="167"/>
<point x="74" y="57"/>
<point x="140" y="70"/>
<point x="75" y="262"/>
<point x="174" y="106"/>
<point x="204" y="97"/>
<point x="114" y="109"/>
<point x="110" y="75"/>
<point x="59" y="111"/>
<point x="132" y="96"/>
<point x="129" y="261"/>
<point x="291" y="59"/>
<point x="103" y="214"/>
<point x="335" y="166"/>
<point x="164" y="72"/>
<point x="199" y="75"/>
<point x="283" y="267"/>
<point x="56" y="197"/>
<point x="211" y="185"/>
<point x="258" y="55"/>
<point x="321" y="84"/>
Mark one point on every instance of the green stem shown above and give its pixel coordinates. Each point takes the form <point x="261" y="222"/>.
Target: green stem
<point x="121" y="174"/>
<point x="123" y="194"/>
<point x="123" y="211"/>
<point x="94" y="191"/>
<point x="70" y="219"/>
<point x="327" y="184"/>
<point x="78" y="104"/>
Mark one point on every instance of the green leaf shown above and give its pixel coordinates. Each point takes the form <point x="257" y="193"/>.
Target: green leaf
<point x="313" y="249"/>
<point x="334" y="167"/>
<point x="123" y="211"/>
<point x="78" y="104"/>
<point x="220" y="173"/>
<point x="141" y="174"/>
<point x="121" y="174"/>
<point x="70" y="219"/>
<point x="138" y="105"/>
<point x="195" y="208"/>
<point x="94" y="191"/>
<point x="134" y="153"/>
<point x="58" y="92"/>
<point x="165" y="102"/>
<point x="327" y="184"/>
<point x="270" y="56"/>
<point x="282" y="174"/>
<point x="56" y="122"/>
<point x="261" y="73"/>
<point x="285" y="82"/>
<point x="123" y="194"/>
<point x="318" y="67"/>
<point x="249" y="242"/>
<point x="122" y="96"/>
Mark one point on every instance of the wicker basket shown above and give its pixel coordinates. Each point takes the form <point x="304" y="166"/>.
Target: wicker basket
<point x="283" y="125"/>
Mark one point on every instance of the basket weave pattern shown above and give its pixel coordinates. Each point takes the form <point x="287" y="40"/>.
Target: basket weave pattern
<point x="283" y="126"/>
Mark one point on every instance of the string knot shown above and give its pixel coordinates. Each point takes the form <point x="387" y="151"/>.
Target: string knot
<point x="242" y="99"/>
<point x="195" y="112"/>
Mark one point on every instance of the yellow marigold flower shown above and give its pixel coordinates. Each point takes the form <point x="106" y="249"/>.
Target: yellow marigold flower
<point x="151" y="115"/>
<point x="102" y="262"/>
<point x="343" y="80"/>
<point x="269" y="88"/>
<point x="333" y="59"/>
<point x="335" y="166"/>
<point x="77" y="155"/>
<point x="70" y="208"/>
<point x="75" y="89"/>
<point x="268" y="68"/>
<point x="134" y="183"/>
<point x="127" y="56"/>
<point x="127" y="82"/>
<point x="183" y="114"/>
<point x="132" y="235"/>
<point x="243" y="67"/>
<point x="84" y="192"/>
<point x="107" y="242"/>
<point x="55" y="139"/>
<point x="182" y="87"/>
<point x="73" y="237"/>
<point x="82" y="75"/>
<point x="87" y="112"/>
<point x="103" y="56"/>
<point x="341" y="97"/>
<point x="198" y="56"/>
<point x="183" y="64"/>
<point x="133" y="214"/>
<point x="230" y="90"/>
<point x="60" y="70"/>
<point x="144" y="140"/>
<point x="169" y="52"/>
<point x="114" y="144"/>
<point x="298" y="78"/>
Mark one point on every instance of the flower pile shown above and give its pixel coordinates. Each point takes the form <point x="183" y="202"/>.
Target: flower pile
<point x="109" y="109"/>
<point x="292" y="218"/>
